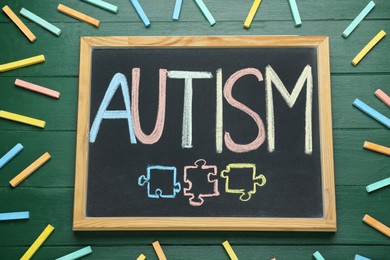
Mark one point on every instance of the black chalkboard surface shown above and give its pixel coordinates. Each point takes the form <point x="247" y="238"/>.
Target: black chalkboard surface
<point x="204" y="133"/>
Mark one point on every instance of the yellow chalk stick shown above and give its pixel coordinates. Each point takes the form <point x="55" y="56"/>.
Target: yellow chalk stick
<point x="251" y="14"/>
<point x="376" y="148"/>
<point x="229" y="250"/>
<point x="22" y="119"/>
<point x="38" y="242"/>
<point x="22" y="63"/>
<point x="377" y="225"/>
<point x="78" y="15"/>
<point x="19" y="23"/>
<point x="29" y="170"/>
<point x="141" y="257"/>
<point x="159" y="251"/>
<point x="368" y="47"/>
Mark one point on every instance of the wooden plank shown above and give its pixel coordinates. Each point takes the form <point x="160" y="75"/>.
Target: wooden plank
<point x="67" y="65"/>
<point x="345" y="88"/>
<point x="348" y="152"/>
<point x="231" y="10"/>
<point x="352" y="203"/>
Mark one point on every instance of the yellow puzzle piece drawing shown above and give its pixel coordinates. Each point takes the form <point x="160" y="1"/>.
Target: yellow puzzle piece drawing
<point x="258" y="180"/>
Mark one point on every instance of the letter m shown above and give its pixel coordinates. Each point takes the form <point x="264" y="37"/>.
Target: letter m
<point x="290" y="99"/>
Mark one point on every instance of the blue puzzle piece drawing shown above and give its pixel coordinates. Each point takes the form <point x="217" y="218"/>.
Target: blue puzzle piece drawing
<point x="170" y="172"/>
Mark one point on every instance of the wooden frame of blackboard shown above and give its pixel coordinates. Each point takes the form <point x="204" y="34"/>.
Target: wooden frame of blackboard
<point x="325" y="223"/>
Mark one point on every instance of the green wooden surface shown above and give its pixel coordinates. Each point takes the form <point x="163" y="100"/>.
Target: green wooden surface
<point x="48" y="194"/>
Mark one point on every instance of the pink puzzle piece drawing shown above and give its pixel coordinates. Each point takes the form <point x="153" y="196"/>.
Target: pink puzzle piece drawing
<point x="210" y="171"/>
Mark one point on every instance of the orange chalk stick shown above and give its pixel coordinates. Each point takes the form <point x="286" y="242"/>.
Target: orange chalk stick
<point x="159" y="251"/>
<point x="377" y="225"/>
<point x="376" y="148"/>
<point x="30" y="170"/>
<point x="78" y="15"/>
<point x="19" y="23"/>
<point x="382" y="96"/>
<point x="37" y="88"/>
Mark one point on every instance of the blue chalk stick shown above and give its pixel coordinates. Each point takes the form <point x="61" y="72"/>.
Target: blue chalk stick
<point x="11" y="154"/>
<point x="378" y="185"/>
<point x="77" y="254"/>
<point x="141" y="13"/>
<point x="176" y="11"/>
<point x="205" y="12"/>
<point x="358" y="19"/>
<point x="372" y="112"/>
<point x="45" y="24"/>
<point x="15" y="215"/>
<point x="318" y="256"/>
<point x="295" y="12"/>
<point x="359" y="257"/>
<point x="104" y="5"/>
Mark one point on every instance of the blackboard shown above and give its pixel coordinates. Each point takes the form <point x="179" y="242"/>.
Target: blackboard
<point x="204" y="133"/>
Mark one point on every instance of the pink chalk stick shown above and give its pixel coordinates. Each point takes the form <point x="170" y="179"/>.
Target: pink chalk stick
<point x="382" y="96"/>
<point x="36" y="88"/>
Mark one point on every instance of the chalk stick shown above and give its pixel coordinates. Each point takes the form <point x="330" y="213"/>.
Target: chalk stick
<point x="368" y="47"/>
<point x="295" y="12"/>
<point x="77" y="254"/>
<point x="229" y="250"/>
<point x="10" y="154"/>
<point x="38" y="242"/>
<point x="358" y="19"/>
<point x="376" y="224"/>
<point x="177" y="9"/>
<point x="78" y="15"/>
<point x="251" y="14"/>
<point x="159" y="251"/>
<point x="141" y="257"/>
<point x="37" y="88"/>
<point x="371" y="112"/>
<point x="379" y="184"/>
<point x="19" y="23"/>
<point x="359" y="257"/>
<point x="140" y="13"/>
<point x="14" y="215"/>
<point x="376" y="148"/>
<point x="203" y="8"/>
<point x="104" y="5"/>
<point x="318" y="256"/>
<point x="22" y="119"/>
<point x="22" y="63"/>
<point x="30" y="169"/>
<point x="40" y="21"/>
<point x="382" y="96"/>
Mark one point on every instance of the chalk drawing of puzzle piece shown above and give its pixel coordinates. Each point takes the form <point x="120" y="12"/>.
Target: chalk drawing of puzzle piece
<point x="209" y="172"/>
<point x="161" y="182"/>
<point x="256" y="180"/>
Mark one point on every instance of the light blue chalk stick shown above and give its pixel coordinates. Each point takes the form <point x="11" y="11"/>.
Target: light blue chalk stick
<point x="205" y="12"/>
<point x="45" y="24"/>
<point x="358" y="19"/>
<point x="10" y="154"/>
<point x="104" y="5"/>
<point x="318" y="256"/>
<point x="77" y="254"/>
<point x="176" y="11"/>
<point x="295" y="12"/>
<point x="372" y="112"/>
<point x="141" y="13"/>
<point x="377" y="185"/>
<point x="359" y="257"/>
<point x="15" y="215"/>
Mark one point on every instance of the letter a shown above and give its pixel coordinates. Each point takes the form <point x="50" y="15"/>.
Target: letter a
<point x="118" y="80"/>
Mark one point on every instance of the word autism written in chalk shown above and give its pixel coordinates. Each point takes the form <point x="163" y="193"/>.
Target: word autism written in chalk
<point x="224" y="93"/>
